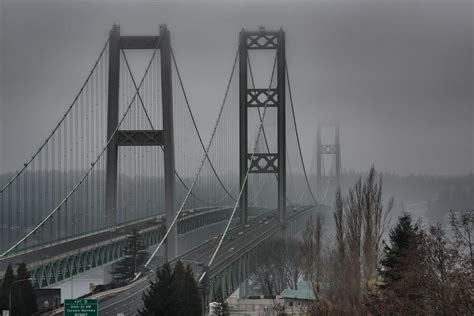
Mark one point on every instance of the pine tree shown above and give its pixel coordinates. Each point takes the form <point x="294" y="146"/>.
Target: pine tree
<point x="135" y="256"/>
<point x="7" y="281"/>
<point x="25" y="303"/>
<point x="404" y="238"/>
<point x="191" y="294"/>
<point x="173" y="293"/>
<point x="402" y="268"/>
<point x="161" y="297"/>
<point x="179" y="274"/>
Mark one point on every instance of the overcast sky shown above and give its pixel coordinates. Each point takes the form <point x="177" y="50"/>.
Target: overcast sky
<point x="398" y="75"/>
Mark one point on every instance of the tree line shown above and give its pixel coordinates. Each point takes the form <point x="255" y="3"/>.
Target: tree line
<point x="419" y="270"/>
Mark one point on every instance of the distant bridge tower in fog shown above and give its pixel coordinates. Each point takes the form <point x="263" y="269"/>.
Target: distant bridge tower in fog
<point x="333" y="149"/>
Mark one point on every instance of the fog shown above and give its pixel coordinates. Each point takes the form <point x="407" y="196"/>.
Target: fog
<point x="398" y="75"/>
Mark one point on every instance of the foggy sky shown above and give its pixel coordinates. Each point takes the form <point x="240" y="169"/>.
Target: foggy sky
<point x="398" y="75"/>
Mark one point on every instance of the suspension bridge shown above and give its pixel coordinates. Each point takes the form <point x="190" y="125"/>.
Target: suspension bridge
<point x="127" y="155"/>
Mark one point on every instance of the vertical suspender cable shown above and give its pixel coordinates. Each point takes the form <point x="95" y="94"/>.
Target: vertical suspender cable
<point x="198" y="171"/>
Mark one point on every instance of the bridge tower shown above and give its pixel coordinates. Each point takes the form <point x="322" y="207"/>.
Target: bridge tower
<point x="259" y="98"/>
<point x="333" y="149"/>
<point x="164" y="137"/>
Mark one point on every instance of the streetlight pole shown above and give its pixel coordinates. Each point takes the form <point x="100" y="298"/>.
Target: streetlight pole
<point x="10" y="293"/>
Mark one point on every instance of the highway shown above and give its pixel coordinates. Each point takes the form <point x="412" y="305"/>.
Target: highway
<point x="44" y="253"/>
<point x="130" y="300"/>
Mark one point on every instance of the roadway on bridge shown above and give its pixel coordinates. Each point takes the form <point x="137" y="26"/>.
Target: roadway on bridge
<point x="37" y="255"/>
<point x="129" y="301"/>
<point x="46" y="252"/>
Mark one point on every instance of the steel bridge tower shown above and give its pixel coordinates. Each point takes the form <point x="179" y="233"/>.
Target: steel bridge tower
<point x="259" y="98"/>
<point x="333" y="149"/>
<point x="164" y="137"/>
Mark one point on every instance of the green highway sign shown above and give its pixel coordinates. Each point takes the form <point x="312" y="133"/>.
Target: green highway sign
<point x="81" y="308"/>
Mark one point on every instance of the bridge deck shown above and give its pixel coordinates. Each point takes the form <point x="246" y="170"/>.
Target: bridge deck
<point x="37" y="255"/>
<point x="129" y="300"/>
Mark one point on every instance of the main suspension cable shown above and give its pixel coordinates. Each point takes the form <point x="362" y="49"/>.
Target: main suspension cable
<point x="213" y="256"/>
<point x="263" y="131"/>
<point x="263" y="128"/>
<point x="180" y="179"/>
<point x="196" y="128"/>
<point x="297" y="135"/>
<point x="203" y="160"/>
<point x="61" y="120"/>
<point x="76" y="186"/>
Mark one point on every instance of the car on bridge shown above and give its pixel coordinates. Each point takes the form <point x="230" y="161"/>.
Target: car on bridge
<point x="160" y="219"/>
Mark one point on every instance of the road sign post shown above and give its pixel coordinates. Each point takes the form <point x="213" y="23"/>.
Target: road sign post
<point x="81" y="308"/>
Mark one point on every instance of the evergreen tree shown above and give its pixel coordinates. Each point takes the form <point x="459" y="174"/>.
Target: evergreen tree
<point x="25" y="302"/>
<point x="134" y="257"/>
<point x="404" y="238"/>
<point x="402" y="269"/>
<point x="423" y="274"/>
<point x="161" y="297"/>
<point x="188" y="302"/>
<point x="7" y="281"/>
<point x="179" y="274"/>
<point x="173" y="293"/>
<point x="191" y="294"/>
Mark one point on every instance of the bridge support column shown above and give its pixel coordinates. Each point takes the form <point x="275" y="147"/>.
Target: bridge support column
<point x="168" y="141"/>
<point x="243" y="127"/>
<point x="267" y="98"/>
<point x="111" y="172"/>
<point x="164" y="138"/>
<point x="243" y="289"/>
<point x="281" y="128"/>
